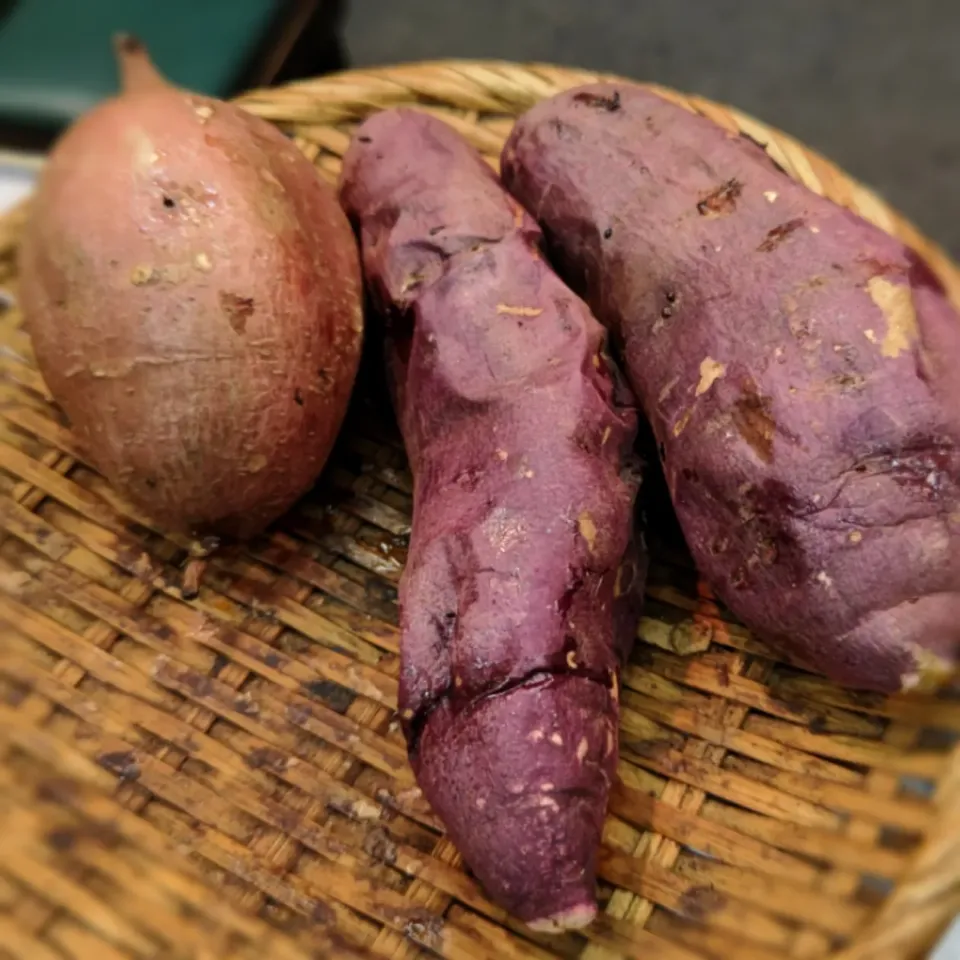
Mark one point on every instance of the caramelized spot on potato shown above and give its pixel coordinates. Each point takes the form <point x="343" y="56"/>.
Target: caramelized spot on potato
<point x="722" y="201"/>
<point x="778" y="234"/>
<point x="754" y="421"/>
<point x="238" y="310"/>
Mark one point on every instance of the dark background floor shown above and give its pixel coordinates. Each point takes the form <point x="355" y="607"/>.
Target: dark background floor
<point x="873" y="84"/>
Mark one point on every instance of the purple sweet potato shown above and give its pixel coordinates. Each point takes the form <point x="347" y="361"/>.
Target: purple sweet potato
<point x="520" y="596"/>
<point x="796" y="363"/>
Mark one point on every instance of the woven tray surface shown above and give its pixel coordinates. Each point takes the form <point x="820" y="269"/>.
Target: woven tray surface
<point x="226" y="777"/>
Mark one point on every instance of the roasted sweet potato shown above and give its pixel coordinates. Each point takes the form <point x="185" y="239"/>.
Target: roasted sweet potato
<point x="797" y="364"/>
<point x="192" y="289"/>
<point x="520" y="595"/>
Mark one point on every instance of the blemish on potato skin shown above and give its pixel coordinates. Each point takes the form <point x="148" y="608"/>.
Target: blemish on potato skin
<point x="237" y="310"/>
<point x="855" y="536"/>
<point x="111" y="369"/>
<point x="722" y="201"/>
<point x="587" y="529"/>
<point x="754" y="421"/>
<point x="203" y="263"/>
<point x="143" y="274"/>
<point x="513" y="311"/>
<point x="610" y="104"/>
<point x="556" y="739"/>
<point x="682" y="422"/>
<point x="710" y="372"/>
<point x="778" y="234"/>
<point x="896" y="304"/>
<point x="582" y="747"/>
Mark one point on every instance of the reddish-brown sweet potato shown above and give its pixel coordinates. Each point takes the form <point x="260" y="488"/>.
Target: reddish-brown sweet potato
<point x="520" y="593"/>
<point x="192" y="289"/>
<point x="797" y="364"/>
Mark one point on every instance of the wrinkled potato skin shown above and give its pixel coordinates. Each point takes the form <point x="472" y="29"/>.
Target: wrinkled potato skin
<point x="192" y="291"/>
<point x="520" y="595"/>
<point x="797" y="364"/>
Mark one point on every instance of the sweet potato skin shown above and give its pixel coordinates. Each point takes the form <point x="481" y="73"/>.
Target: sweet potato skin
<point x="520" y="596"/>
<point x="192" y="290"/>
<point x="796" y="365"/>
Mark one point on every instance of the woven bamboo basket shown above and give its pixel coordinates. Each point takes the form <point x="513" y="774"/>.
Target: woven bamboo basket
<point x="226" y="778"/>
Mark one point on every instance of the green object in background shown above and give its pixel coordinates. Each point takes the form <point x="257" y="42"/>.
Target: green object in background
<point x="56" y="56"/>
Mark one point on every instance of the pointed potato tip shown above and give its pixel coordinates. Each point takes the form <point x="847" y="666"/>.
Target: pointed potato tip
<point x="521" y="781"/>
<point x="125" y="44"/>
<point x="136" y="67"/>
<point x="576" y="918"/>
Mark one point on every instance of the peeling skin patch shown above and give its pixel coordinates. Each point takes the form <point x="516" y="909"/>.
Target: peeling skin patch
<point x="778" y="234"/>
<point x="505" y="529"/>
<point x="710" y="372"/>
<point x="722" y="201"/>
<point x="611" y="104"/>
<point x="588" y="529"/>
<point x="238" y="310"/>
<point x="111" y="369"/>
<point x="896" y="303"/>
<point x="144" y="152"/>
<point x="504" y="308"/>
<point x="681" y="424"/>
<point x="143" y="274"/>
<point x="754" y="421"/>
